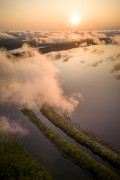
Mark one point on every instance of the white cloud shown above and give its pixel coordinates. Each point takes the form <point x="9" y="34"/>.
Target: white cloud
<point x="11" y="127"/>
<point x="6" y="36"/>
<point x="31" y="82"/>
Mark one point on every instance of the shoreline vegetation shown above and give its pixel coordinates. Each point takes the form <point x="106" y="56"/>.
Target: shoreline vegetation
<point x="98" y="147"/>
<point x="17" y="163"/>
<point x="71" y="152"/>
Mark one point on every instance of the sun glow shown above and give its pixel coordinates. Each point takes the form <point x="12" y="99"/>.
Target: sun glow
<point x="75" y="19"/>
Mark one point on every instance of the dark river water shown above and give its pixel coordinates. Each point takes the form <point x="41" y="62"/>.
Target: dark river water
<point x="88" y="72"/>
<point x="42" y="149"/>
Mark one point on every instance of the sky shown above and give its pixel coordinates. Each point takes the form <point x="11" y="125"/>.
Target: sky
<point x="56" y="14"/>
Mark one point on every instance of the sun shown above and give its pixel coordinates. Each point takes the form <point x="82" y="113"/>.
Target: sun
<point x="75" y="19"/>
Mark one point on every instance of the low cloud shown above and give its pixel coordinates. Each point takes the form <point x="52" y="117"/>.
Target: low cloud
<point x="82" y="61"/>
<point x="54" y="41"/>
<point x="32" y="82"/>
<point x="6" y="36"/>
<point x="115" y="68"/>
<point x="116" y="57"/>
<point x="11" y="127"/>
<point x="116" y="39"/>
<point x="118" y="76"/>
<point x="97" y="51"/>
<point x="94" y="64"/>
<point x="78" y="38"/>
<point x="63" y="56"/>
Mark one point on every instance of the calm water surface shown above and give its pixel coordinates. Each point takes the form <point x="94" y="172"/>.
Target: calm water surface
<point x="42" y="149"/>
<point x="89" y="73"/>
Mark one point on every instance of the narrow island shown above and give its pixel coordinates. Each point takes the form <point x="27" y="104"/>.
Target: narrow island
<point x="71" y="152"/>
<point x="107" y="153"/>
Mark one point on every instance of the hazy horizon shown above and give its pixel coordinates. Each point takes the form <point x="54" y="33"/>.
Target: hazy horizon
<point x="60" y="88"/>
<point x="56" y="15"/>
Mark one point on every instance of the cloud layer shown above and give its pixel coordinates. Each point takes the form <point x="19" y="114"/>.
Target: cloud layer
<point x="6" y="36"/>
<point x="31" y="82"/>
<point x="59" y="40"/>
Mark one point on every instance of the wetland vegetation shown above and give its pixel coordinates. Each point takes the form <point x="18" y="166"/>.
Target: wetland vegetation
<point x="82" y="137"/>
<point x="71" y="152"/>
<point x="16" y="163"/>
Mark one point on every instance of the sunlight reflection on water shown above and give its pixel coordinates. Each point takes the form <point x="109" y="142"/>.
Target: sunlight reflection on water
<point x="90" y="74"/>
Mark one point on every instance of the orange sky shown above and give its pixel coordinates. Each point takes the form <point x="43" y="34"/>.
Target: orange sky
<point x="56" y="14"/>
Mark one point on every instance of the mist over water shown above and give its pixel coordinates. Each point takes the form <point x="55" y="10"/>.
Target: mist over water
<point x="90" y="73"/>
<point x="80" y="77"/>
<point x="77" y="74"/>
<point x="32" y="82"/>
